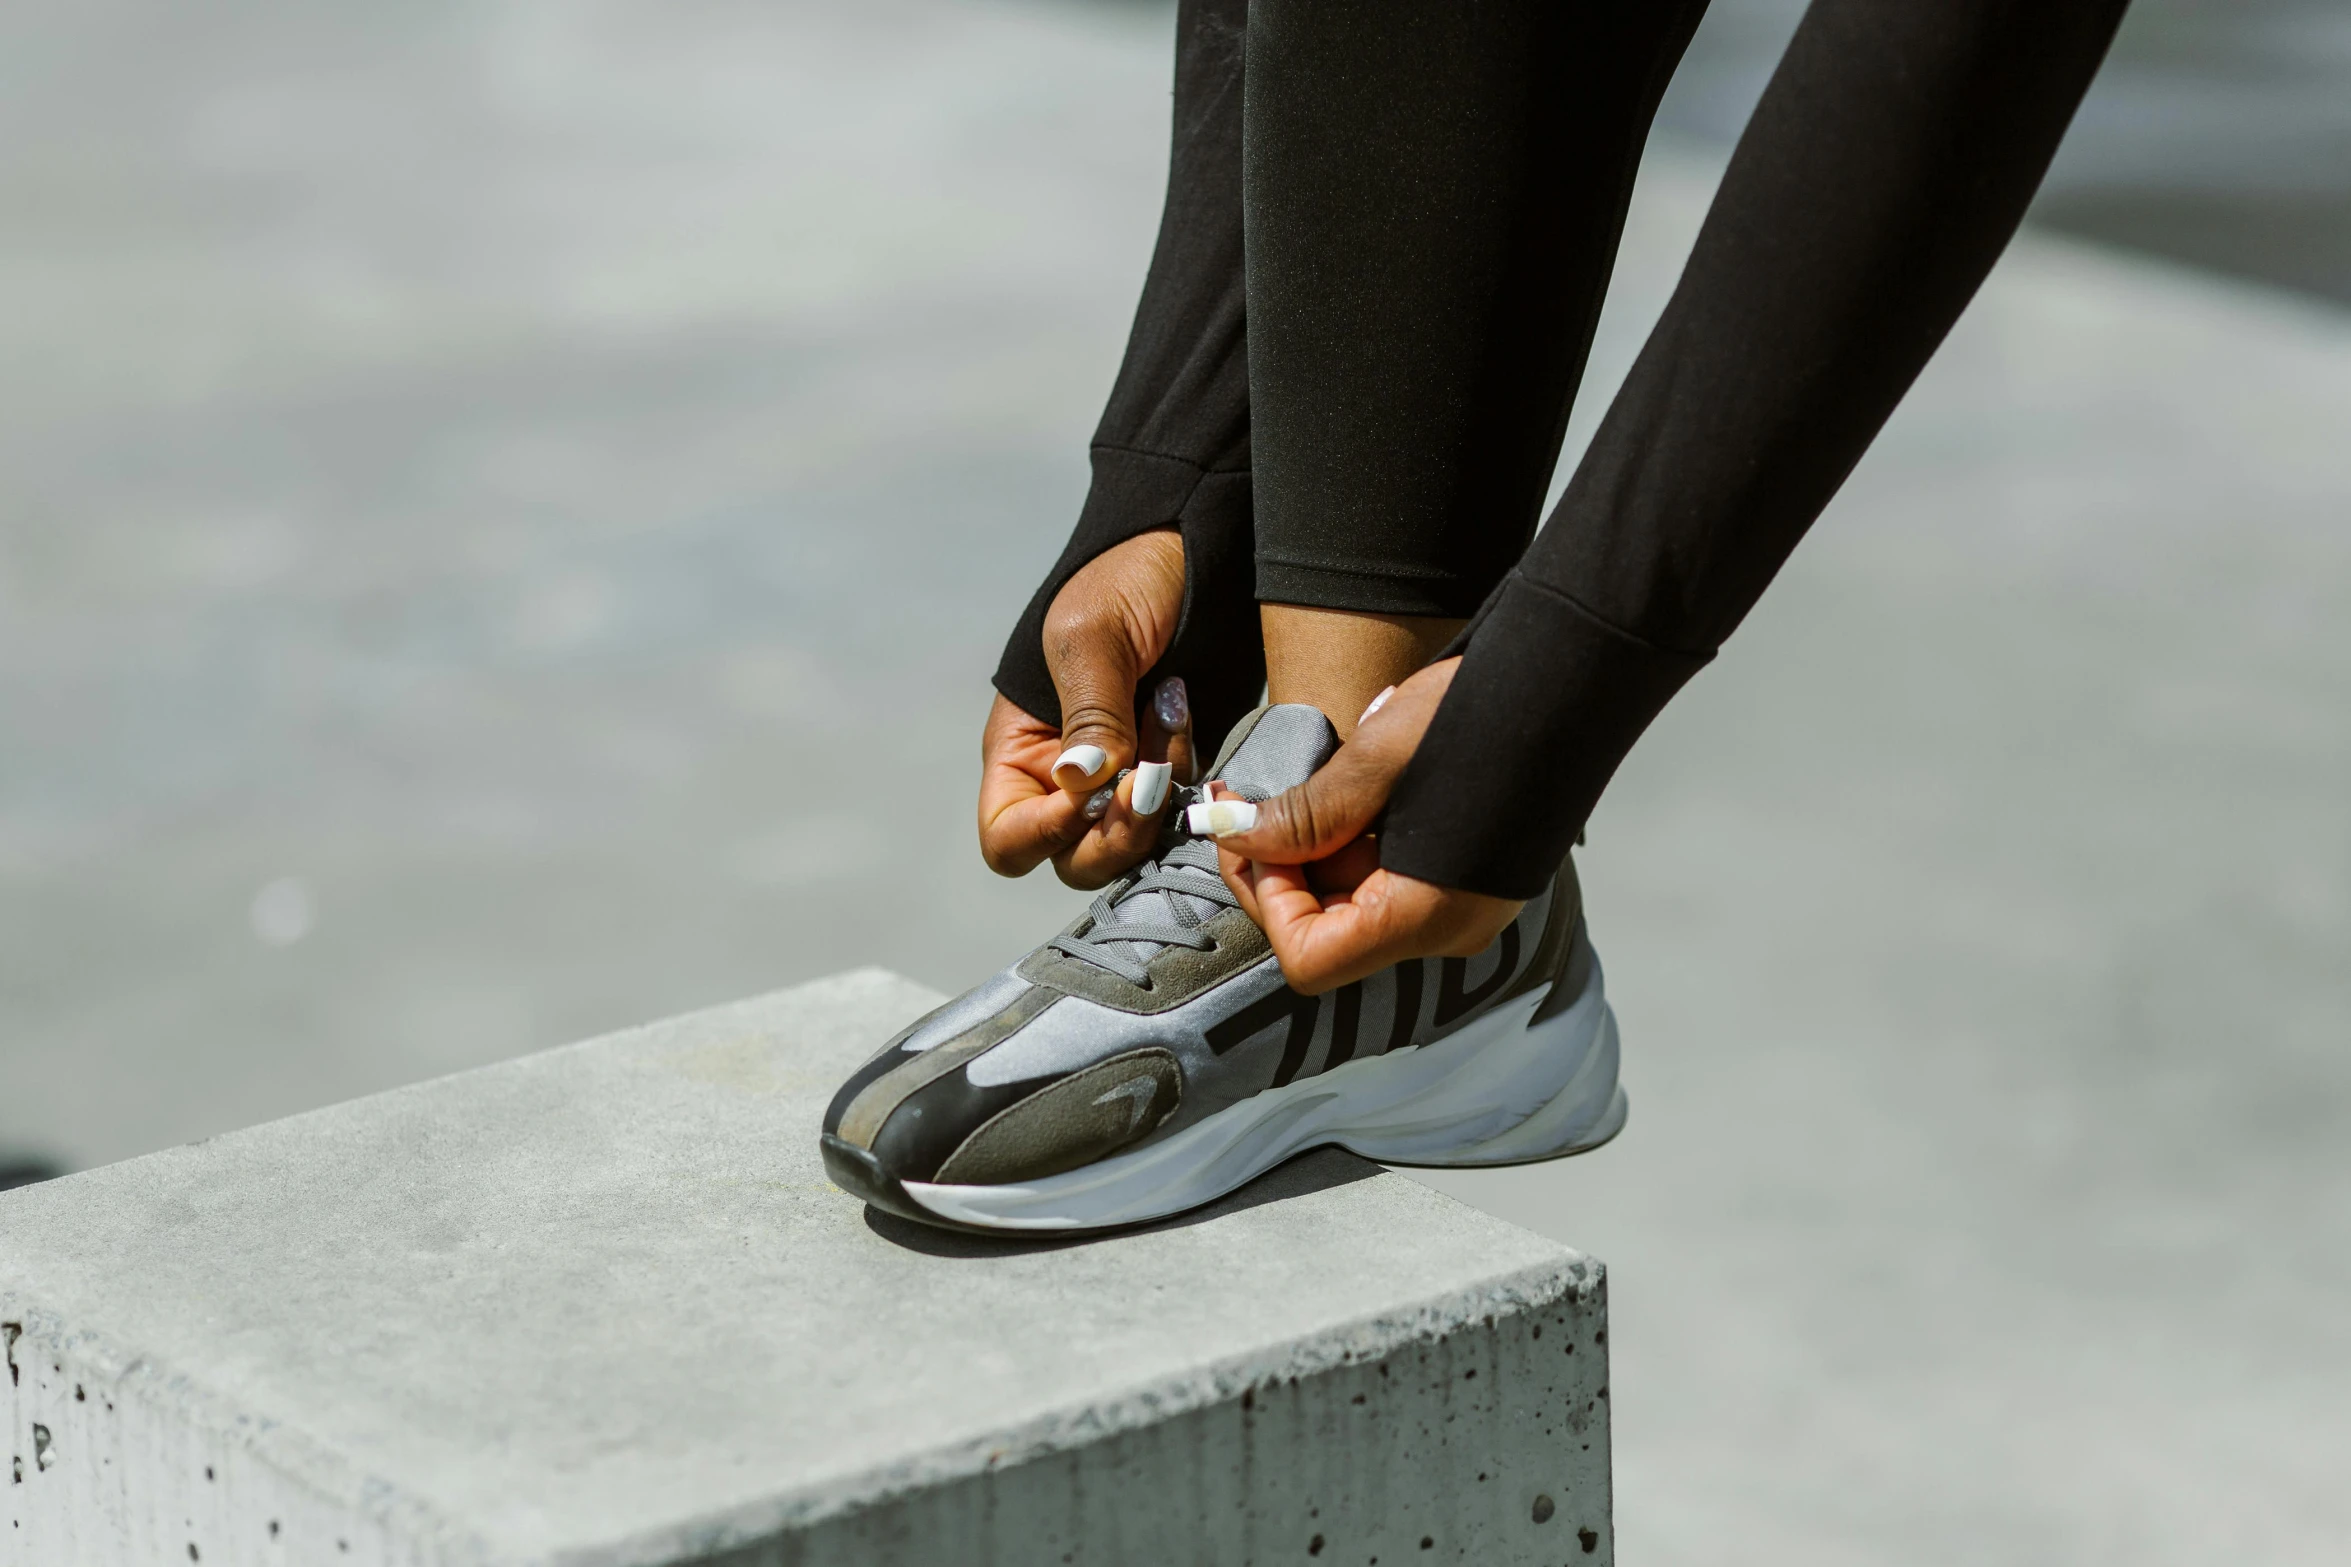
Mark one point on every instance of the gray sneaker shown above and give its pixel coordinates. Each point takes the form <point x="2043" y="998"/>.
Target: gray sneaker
<point x="1150" y="1058"/>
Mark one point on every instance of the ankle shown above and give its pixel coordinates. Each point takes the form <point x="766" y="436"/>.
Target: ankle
<point x="1338" y="660"/>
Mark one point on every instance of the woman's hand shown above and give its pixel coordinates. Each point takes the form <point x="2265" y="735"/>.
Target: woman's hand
<point x="1307" y="874"/>
<point x="1109" y="625"/>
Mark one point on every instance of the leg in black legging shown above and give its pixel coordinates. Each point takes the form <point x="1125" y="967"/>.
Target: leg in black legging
<point x="1172" y="449"/>
<point x="1890" y="161"/>
<point x="1432" y="199"/>
<point x="1497" y="187"/>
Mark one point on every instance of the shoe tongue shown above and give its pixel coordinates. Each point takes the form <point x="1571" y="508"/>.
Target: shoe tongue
<point x="1275" y="748"/>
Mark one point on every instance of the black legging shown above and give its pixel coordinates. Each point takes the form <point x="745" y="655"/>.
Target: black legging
<point x="1431" y="197"/>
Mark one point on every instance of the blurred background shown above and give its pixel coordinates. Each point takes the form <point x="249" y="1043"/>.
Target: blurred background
<point x="507" y="508"/>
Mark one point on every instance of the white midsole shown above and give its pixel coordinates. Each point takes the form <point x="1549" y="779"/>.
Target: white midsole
<point x="1497" y="1092"/>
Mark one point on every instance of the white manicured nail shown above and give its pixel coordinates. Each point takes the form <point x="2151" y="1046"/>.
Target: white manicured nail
<point x="1084" y="761"/>
<point x="1220" y="818"/>
<point x="1150" y="787"/>
<point x="1377" y="703"/>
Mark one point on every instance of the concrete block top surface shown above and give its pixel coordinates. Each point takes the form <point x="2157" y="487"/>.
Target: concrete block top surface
<point x="601" y="1303"/>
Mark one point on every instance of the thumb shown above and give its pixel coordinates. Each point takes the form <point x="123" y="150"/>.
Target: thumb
<point x="1346" y="795"/>
<point x="1322" y="815"/>
<point x="1111" y="623"/>
<point x="1094" y="669"/>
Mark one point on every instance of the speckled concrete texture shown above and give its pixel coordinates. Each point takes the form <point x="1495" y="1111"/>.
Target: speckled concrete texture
<point x="599" y="1305"/>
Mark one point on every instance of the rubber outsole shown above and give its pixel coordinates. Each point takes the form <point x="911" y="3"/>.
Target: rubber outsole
<point x="1498" y="1092"/>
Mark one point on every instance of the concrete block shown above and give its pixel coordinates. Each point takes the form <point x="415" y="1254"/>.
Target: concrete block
<point x="600" y="1306"/>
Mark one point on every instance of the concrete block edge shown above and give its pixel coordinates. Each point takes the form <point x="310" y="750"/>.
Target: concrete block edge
<point x="1571" y="1278"/>
<point x="404" y="1522"/>
<point x="169" y="1403"/>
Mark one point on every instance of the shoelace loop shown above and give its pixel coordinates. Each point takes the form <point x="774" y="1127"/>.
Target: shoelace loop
<point x="1186" y="871"/>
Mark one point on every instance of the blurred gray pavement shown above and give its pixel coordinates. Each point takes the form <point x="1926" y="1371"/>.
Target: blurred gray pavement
<point x="508" y="510"/>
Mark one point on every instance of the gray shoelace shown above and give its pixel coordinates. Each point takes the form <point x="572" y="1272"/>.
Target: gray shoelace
<point x="1156" y="909"/>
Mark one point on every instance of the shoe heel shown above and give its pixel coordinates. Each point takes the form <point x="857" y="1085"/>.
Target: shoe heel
<point x="1583" y="1115"/>
<point x="1518" y="1093"/>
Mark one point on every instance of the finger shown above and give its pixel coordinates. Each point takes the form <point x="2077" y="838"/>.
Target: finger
<point x="1093" y="666"/>
<point x="1154" y="785"/>
<point x="1321" y="944"/>
<point x="1167" y="729"/>
<point x="1025" y="834"/>
<point x="1023" y="818"/>
<point x="1278" y="898"/>
<point x="1114" y="842"/>
<point x="1320" y="816"/>
<point x="1399" y="917"/>
<point x="1322" y="941"/>
<point x="1024" y="821"/>
<point x="1243" y="875"/>
<point x="1347" y="794"/>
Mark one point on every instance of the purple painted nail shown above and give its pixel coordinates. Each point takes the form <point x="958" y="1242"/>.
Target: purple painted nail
<point x="1098" y="803"/>
<point x="1173" y="704"/>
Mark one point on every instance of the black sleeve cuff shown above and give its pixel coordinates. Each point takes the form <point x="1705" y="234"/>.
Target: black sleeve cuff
<point x="1546" y="704"/>
<point x="1217" y="647"/>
